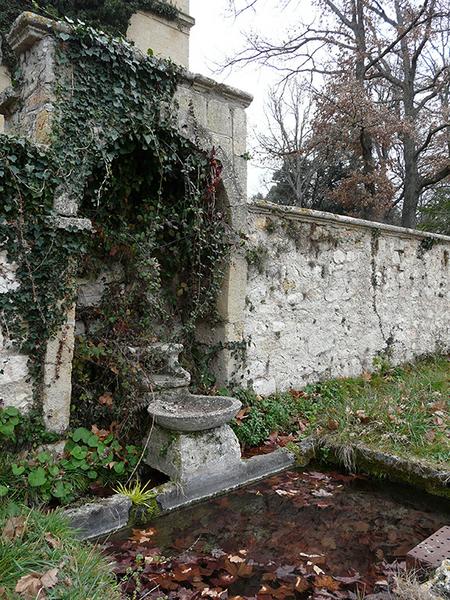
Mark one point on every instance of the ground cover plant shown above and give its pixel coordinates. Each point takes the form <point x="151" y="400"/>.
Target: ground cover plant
<point x="403" y="409"/>
<point x="36" y="475"/>
<point x="41" y="558"/>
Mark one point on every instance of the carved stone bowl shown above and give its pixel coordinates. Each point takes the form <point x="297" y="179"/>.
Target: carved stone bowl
<point x="186" y="412"/>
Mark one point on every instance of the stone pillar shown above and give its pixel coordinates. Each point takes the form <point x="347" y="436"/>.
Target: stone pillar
<point x="168" y="38"/>
<point x="28" y="113"/>
<point x="213" y="115"/>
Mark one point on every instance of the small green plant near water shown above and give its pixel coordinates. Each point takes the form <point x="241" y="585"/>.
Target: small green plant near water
<point x="139" y="494"/>
<point x="34" y="544"/>
<point x="41" y="477"/>
<point x="403" y="410"/>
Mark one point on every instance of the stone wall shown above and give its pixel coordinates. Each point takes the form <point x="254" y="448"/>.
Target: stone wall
<point x="167" y="38"/>
<point x="15" y="385"/>
<point x="211" y="115"/>
<point x="328" y="294"/>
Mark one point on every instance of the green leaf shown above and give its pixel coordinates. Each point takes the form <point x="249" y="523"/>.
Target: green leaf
<point x="119" y="468"/>
<point x="37" y="477"/>
<point x="81" y="435"/>
<point x="78" y="452"/>
<point x="17" y="470"/>
<point x="3" y="491"/>
<point x="44" y="457"/>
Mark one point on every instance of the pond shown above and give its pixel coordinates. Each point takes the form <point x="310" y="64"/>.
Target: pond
<point x="302" y="534"/>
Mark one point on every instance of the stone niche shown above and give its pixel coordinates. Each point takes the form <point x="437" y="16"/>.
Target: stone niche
<point x="167" y="38"/>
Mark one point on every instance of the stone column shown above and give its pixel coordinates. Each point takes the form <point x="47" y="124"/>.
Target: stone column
<point x="28" y="113"/>
<point x="213" y="115"/>
<point x="168" y="38"/>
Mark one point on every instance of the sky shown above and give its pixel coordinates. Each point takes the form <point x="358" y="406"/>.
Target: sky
<point x="217" y="34"/>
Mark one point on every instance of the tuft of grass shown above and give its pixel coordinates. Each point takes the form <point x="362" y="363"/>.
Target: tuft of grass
<point x="404" y="410"/>
<point x="140" y="495"/>
<point x="408" y="587"/>
<point x="49" y="543"/>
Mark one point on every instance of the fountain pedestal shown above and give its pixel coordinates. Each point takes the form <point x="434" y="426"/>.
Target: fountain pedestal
<point x="184" y="456"/>
<point x="191" y="441"/>
<point x="190" y="437"/>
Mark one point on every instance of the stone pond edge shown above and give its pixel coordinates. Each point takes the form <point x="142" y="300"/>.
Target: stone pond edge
<point x="102" y="518"/>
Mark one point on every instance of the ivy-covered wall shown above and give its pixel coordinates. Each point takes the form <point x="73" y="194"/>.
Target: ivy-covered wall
<point x="140" y="169"/>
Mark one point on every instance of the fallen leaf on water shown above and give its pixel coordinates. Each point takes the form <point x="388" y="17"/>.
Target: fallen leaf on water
<point x="329" y="542"/>
<point x="317" y="570"/>
<point x="321" y="493"/>
<point x="379" y="554"/>
<point x="236" y="559"/>
<point x="304" y="555"/>
<point x="14" y="528"/>
<point x="361" y="526"/>
<point x="140" y="536"/>
<point x="327" y="582"/>
<point x="301" y="585"/>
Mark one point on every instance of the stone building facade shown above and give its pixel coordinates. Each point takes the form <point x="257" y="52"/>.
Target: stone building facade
<point x="307" y="295"/>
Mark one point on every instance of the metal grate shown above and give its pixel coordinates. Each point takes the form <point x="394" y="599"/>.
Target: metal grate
<point x="430" y="553"/>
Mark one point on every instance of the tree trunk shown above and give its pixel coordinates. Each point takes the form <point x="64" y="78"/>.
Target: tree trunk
<point x="411" y="185"/>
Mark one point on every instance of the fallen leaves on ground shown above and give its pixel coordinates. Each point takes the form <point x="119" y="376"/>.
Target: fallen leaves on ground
<point x="14" y="528"/>
<point x="52" y="541"/>
<point x="34" y="585"/>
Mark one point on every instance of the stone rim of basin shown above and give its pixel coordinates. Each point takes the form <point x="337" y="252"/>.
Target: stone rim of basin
<point x="186" y="412"/>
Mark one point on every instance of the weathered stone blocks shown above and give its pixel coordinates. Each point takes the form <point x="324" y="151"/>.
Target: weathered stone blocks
<point x="184" y="456"/>
<point x="332" y="293"/>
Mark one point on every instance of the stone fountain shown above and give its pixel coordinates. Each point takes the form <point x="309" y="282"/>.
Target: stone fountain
<point x="191" y="440"/>
<point x="190" y="435"/>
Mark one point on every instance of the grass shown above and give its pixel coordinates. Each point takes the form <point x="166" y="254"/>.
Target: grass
<point x="403" y="410"/>
<point x="48" y="543"/>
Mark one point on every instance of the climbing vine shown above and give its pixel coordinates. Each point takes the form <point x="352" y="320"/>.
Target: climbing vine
<point x="39" y="252"/>
<point x="158" y="237"/>
<point x="109" y="15"/>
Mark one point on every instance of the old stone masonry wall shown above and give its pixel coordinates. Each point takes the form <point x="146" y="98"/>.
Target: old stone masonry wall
<point x="326" y="295"/>
<point x="15" y="385"/>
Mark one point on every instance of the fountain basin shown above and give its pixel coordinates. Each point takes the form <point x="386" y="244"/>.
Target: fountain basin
<point x="186" y="412"/>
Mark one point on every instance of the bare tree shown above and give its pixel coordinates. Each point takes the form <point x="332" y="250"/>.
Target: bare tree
<point x="394" y="55"/>
<point x="286" y="144"/>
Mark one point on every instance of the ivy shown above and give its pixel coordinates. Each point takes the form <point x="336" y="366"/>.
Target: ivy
<point x="151" y="196"/>
<point x="39" y="252"/>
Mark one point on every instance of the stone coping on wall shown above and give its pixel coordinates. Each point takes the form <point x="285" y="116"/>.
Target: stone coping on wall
<point x="307" y="215"/>
<point x="204" y="84"/>
<point x="29" y="28"/>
